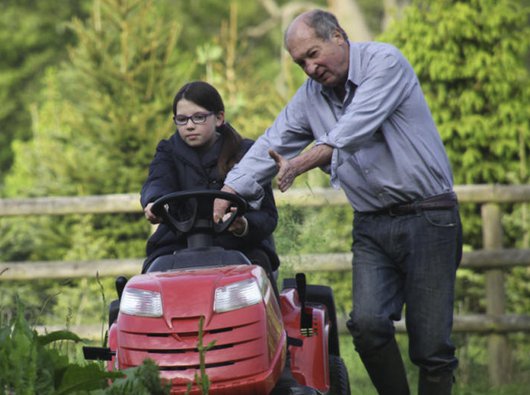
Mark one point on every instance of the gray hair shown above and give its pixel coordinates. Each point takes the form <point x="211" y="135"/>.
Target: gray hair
<point x="324" y="23"/>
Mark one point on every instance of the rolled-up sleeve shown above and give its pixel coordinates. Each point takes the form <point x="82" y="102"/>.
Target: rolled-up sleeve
<point x="384" y="87"/>
<point x="386" y="83"/>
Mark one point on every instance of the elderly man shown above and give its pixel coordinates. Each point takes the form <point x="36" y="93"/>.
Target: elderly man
<point x="364" y="109"/>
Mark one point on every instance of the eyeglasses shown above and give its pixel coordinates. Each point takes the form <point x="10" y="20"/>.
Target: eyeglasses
<point x="197" y="118"/>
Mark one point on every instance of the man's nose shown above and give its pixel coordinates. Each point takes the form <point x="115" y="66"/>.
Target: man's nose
<point x="310" y="68"/>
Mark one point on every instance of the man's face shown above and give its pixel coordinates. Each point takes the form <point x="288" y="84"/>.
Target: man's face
<point x="325" y="61"/>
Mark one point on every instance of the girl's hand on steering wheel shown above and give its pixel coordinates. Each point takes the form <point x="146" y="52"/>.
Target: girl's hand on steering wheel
<point x="240" y="225"/>
<point x="149" y="214"/>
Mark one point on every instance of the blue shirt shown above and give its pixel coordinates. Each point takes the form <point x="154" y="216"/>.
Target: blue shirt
<point x="387" y="149"/>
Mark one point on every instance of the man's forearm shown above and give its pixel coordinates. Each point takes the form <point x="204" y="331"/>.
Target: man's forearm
<point x="319" y="155"/>
<point x="288" y="170"/>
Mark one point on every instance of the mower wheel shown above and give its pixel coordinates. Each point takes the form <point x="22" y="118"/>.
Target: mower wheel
<point x="340" y="381"/>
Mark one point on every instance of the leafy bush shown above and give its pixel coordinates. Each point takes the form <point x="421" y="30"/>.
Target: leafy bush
<point x="30" y="364"/>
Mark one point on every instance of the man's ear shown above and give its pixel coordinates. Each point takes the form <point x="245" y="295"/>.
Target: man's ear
<point x="338" y="37"/>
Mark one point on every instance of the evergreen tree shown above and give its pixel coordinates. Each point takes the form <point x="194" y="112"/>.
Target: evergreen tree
<point x="106" y="107"/>
<point x="33" y="36"/>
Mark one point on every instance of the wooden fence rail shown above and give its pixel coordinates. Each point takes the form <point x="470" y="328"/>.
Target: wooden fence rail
<point x="493" y="259"/>
<point x="130" y="202"/>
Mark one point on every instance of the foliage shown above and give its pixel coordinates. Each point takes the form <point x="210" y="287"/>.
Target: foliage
<point x="201" y="377"/>
<point x="31" y="365"/>
<point x="106" y="107"/>
<point x="140" y="380"/>
<point x="471" y="376"/>
<point x="33" y="36"/>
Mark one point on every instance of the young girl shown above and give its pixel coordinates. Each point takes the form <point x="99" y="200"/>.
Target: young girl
<point x="198" y="156"/>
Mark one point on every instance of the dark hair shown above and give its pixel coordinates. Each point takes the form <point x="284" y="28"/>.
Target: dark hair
<point x="324" y="24"/>
<point x="206" y="96"/>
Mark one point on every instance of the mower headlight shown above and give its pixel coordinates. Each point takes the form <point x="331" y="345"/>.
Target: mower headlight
<point x="237" y="295"/>
<point x="141" y="302"/>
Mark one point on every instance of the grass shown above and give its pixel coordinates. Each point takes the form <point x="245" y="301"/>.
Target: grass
<point x="471" y="379"/>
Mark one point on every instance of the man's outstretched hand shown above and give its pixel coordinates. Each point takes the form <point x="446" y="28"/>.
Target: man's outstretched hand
<point x="289" y="169"/>
<point x="221" y="206"/>
<point x="286" y="171"/>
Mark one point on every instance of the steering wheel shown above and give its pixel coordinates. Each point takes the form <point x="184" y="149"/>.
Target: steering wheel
<point x="191" y="211"/>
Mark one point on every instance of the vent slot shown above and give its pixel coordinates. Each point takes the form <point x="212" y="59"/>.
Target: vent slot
<point x="191" y="350"/>
<point x="196" y="367"/>
<point x="221" y="330"/>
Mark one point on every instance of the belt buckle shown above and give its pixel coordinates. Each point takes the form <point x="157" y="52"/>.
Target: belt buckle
<point x="404" y="209"/>
<point x="391" y="210"/>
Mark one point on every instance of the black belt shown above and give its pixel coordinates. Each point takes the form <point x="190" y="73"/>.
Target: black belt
<point x="443" y="201"/>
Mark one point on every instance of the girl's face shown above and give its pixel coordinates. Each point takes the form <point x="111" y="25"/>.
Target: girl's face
<point x="199" y="134"/>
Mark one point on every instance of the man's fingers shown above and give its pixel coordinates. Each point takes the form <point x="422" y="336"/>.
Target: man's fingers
<point x="220" y="206"/>
<point x="219" y="209"/>
<point x="285" y="183"/>
<point x="285" y="174"/>
<point x="227" y="215"/>
<point x="281" y="163"/>
<point x="276" y="156"/>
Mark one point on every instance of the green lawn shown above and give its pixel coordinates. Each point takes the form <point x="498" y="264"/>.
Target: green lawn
<point x="471" y="377"/>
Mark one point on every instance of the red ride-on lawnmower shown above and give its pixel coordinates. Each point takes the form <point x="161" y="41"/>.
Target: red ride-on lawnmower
<point x="158" y="314"/>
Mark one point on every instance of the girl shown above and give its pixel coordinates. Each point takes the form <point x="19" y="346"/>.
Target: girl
<point x="198" y="156"/>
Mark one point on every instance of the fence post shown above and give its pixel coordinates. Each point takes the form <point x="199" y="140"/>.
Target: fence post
<point x="499" y="355"/>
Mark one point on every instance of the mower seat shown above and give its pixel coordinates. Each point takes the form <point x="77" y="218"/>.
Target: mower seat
<point x="198" y="257"/>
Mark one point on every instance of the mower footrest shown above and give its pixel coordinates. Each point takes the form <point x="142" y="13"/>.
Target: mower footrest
<point x="98" y="353"/>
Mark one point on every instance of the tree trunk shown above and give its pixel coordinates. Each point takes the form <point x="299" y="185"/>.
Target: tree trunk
<point x="351" y="18"/>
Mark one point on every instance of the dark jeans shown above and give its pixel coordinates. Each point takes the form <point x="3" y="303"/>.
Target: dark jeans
<point x="406" y="260"/>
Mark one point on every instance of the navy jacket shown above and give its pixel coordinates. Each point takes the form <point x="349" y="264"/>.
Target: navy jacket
<point x="178" y="167"/>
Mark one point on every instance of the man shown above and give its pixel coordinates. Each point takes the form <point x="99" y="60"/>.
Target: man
<point x="364" y="108"/>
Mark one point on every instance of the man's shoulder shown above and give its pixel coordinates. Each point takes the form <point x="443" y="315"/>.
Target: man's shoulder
<point x="377" y="54"/>
<point x="381" y="48"/>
